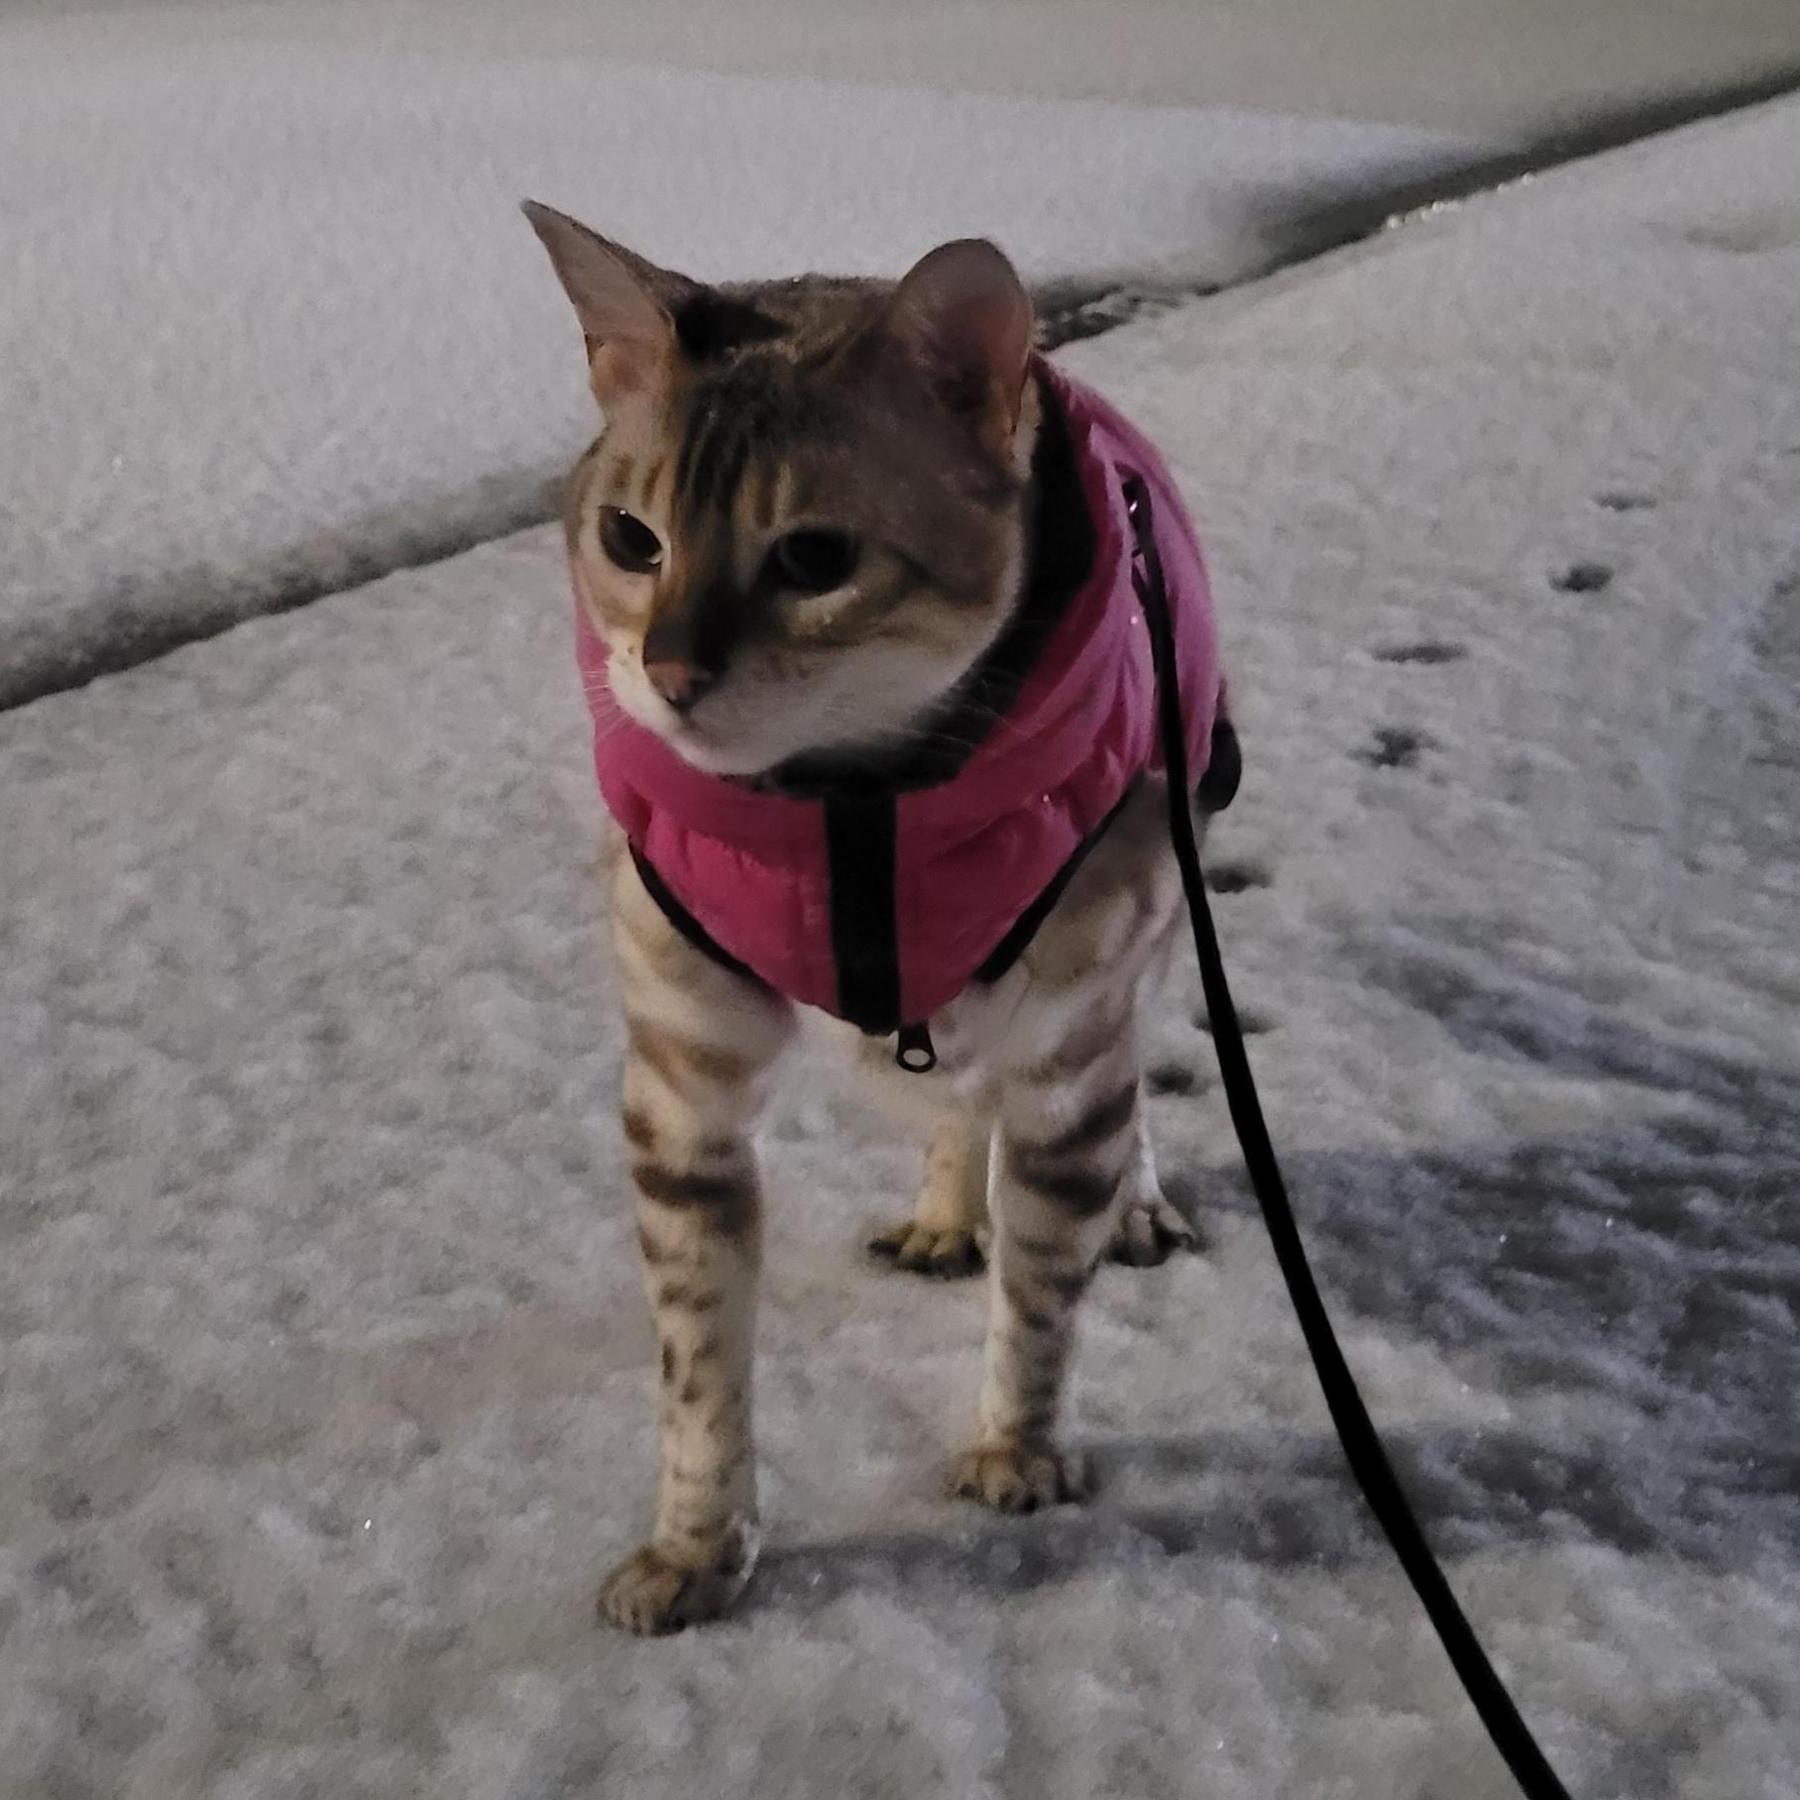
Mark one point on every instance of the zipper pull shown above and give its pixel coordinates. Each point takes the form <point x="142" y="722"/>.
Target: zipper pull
<point x="914" y="1051"/>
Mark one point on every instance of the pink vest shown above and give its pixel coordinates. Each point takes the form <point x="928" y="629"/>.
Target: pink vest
<point x="882" y="907"/>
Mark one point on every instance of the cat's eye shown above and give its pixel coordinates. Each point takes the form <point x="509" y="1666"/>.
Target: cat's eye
<point x="814" y="560"/>
<point x="629" y="541"/>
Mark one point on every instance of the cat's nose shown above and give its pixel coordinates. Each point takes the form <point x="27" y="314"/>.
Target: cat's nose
<point x="680" y="683"/>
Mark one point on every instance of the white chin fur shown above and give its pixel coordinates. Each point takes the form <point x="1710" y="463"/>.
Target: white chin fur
<point x="691" y="742"/>
<point x="710" y="761"/>
<point x="710" y="744"/>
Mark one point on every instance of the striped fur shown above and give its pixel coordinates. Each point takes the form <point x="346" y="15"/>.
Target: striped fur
<point x="759" y="410"/>
<point x="900" y="415"/>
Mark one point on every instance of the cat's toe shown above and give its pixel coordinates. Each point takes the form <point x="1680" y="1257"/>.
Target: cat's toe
<point x="1019" y="1478"/>
<point x="1150" y="1232"/>
<point x="921" y="1250"/>
<point x="652" y="1592"/>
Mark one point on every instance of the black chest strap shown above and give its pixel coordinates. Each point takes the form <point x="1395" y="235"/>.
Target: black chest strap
<point x="862" y="867"/>
<point x="685" y="922"/>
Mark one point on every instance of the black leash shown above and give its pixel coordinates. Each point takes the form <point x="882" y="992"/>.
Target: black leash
<point x="1356" y="1431"/>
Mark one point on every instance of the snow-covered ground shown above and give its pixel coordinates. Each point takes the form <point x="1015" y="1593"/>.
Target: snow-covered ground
<point x="324" y="1398"/>
<point x="273" y="324"/>
<point x="1502" y="66"/>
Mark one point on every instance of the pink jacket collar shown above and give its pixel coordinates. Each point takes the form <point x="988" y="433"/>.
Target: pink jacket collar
<point x="882" y="908"/>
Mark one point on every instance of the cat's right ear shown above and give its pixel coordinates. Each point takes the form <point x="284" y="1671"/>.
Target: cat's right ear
<point x="625" y="304"/>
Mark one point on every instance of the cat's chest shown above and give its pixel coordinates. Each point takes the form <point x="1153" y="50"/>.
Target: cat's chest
<point x="1093" y="948"/>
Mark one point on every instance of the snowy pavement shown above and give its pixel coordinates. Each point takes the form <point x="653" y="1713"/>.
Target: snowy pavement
<point x="273" y="324"/>
<point x="1514" y="68"/>
<point x="324" y="1399"/>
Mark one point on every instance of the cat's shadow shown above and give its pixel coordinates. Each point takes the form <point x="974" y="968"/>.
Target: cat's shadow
<point x="1286" y="1500"/>
<point x="1646" y="1265"/>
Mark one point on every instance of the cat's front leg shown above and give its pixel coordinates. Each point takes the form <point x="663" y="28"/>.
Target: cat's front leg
<point x="1069" y="1137"/>
<point x="701" y="1044"/>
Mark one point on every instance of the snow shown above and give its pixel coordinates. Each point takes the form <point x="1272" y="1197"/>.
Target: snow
<point x="273" y="323"/>
<point x="1516" y="68"/>
<point x="326" y="1393"/>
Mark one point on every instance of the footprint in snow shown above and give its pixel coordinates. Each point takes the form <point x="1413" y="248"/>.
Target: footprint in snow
<point x="1254" y="1024"/>
<point x="1393" y="748"/>
<point x="1425" y="651"/>
<point x="1582" y="578"/>
<point x="1236" y="877"/>
<point x="1172" y="1077"/>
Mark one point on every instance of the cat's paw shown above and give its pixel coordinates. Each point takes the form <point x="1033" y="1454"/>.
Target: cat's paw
<point x="653" y="1592"/>
<point x="923" y="1251"/>
<point x="1150" y="1232"/>
<point x="1019" y="1478"/>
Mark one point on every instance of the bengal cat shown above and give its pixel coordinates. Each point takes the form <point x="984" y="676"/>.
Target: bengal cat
<point x="812" y="512"/>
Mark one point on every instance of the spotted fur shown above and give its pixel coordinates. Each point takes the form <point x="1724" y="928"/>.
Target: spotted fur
<point x="901" y="416"/>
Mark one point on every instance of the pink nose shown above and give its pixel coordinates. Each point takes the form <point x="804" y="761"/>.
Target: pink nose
<point x="679" y="683"/>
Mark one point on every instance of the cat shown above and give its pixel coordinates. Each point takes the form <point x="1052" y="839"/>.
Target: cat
<point x="827" y="551"/>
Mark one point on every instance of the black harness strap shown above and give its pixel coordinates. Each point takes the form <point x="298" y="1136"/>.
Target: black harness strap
<point x="1214" y="794"/>
<point x="685" y="922"/>
<point x="1025" y="927"/>
<point x="862" y="858"/>
<point x="1356" y="1431"/>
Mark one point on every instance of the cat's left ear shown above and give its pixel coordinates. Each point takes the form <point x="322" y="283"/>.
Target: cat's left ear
<point x="626" y="305"/>
<point x="964" y="316"/>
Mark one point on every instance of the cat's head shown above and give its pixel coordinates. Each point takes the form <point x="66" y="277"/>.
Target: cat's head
<point x="803" y="521"/>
